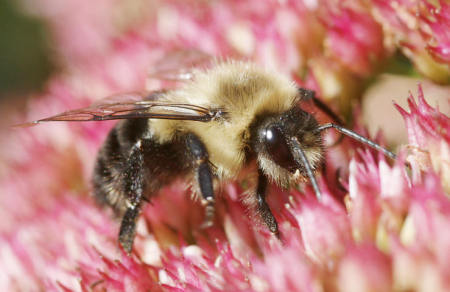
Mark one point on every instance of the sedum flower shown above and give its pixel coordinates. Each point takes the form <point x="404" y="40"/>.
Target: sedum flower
<point x="436" y="31"/>
<point x="348" y="42"/>
<point x="420" y="30"/>
<point x="381" y="225"/>
<point x="429" y="139"/>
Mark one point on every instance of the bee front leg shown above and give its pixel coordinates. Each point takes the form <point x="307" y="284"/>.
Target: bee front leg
<point x="199" y="156"/>
<point x="262" y="207"/>
<point x="134" y="177"/>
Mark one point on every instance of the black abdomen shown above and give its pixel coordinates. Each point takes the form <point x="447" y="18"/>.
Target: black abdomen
<point x="162" y="164"/>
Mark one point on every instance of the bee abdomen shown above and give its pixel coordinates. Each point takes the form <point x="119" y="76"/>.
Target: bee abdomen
<point x="107" y="174"/>
<point x="115" y="166"/>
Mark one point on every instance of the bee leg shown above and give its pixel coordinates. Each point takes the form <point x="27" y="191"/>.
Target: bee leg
<point x="262" y="207"/>
<point x="134" y="188"/>
<point x="128" y="228"/>
<point x="199" y="155"/>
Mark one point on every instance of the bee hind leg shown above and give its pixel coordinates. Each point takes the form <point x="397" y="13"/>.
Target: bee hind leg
<point x="134" y="188"/>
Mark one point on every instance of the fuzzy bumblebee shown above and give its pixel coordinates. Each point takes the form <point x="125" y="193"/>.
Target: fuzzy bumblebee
<point x="219" y="122"/>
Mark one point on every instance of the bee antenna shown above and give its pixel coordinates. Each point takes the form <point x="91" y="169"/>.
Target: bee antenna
<point x="298" y="151"/>
<point x="310" y="95"/>
<point x="357" y="137"/>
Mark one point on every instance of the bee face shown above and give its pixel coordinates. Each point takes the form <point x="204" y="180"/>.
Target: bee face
<point x="273" y="146"/>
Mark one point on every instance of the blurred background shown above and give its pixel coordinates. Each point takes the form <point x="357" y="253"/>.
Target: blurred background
<point x="25" y="53"/>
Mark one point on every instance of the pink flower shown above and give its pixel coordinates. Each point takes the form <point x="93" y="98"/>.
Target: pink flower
<point x="437" y="32"/>
<point x="330" y="218"/>
<point x="429" y="138"/>
<point x="376" y="229"/>
<point x="420" y="30"/>
<point x="355" y="39"/>
<point x="354" y="273"/>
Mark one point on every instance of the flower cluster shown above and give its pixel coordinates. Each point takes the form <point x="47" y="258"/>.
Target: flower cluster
<point x="381" y="226"/>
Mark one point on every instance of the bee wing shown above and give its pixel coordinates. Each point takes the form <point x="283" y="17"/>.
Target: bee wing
<point x="133" y="106"/>
<point x="179" y="65"/>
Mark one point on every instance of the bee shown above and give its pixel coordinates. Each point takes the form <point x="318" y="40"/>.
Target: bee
<point x="220" y="121"/>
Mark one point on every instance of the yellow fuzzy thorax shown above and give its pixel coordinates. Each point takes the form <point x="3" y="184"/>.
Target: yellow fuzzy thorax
<point x="242" y="90"/>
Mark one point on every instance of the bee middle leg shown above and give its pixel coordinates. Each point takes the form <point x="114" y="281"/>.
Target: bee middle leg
<point x="199" y="155"/>
<point x="262" y="206"/>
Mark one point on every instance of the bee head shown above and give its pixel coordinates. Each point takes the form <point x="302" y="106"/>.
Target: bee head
<point x="277" y="139"/>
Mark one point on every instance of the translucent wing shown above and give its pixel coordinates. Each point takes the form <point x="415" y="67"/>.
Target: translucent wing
<point x="134" y="106"/>
<point x="178" y="65"/>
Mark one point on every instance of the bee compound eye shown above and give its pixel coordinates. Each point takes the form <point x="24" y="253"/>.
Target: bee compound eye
<point x="277" y="148"/>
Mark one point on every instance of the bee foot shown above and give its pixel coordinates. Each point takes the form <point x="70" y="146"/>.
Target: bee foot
<point x="209" y="215"/>
<point x="207" y="224"/>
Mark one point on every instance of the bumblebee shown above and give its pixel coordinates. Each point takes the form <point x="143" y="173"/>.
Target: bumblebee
<point x="220" y="121"/>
